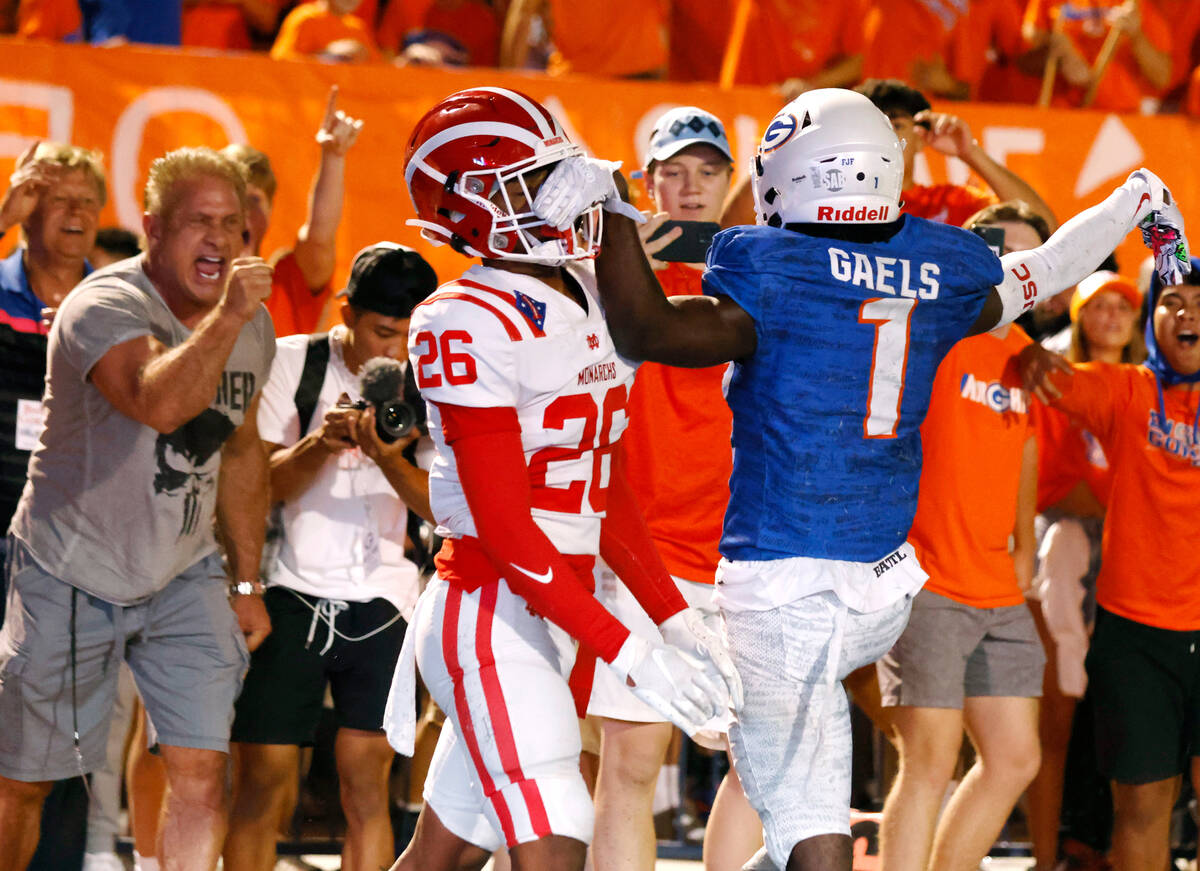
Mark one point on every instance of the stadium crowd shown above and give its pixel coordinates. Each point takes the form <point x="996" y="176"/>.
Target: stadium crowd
<point x="176" y="435"/>
<point x="1120" y="55"/>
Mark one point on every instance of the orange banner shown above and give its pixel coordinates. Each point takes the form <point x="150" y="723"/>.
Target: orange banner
<point x="133" y="104"/>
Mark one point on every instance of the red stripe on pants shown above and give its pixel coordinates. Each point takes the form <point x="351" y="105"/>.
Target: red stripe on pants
<point x="454" y="666"/>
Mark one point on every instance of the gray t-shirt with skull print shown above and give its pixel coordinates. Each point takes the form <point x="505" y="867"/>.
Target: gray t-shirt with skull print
<point x="112" y="506"/>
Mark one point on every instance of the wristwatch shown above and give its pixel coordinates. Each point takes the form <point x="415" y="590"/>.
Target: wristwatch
<point x="246" y="588"/>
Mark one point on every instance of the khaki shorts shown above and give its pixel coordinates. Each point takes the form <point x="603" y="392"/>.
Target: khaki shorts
<point x="951" y="651"/>
<point x="183" y="646"/>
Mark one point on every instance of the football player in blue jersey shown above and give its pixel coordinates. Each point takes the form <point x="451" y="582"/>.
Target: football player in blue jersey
<point x="836" y="311"/>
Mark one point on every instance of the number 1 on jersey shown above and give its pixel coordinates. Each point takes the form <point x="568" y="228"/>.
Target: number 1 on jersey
<point x="891" y="317"/>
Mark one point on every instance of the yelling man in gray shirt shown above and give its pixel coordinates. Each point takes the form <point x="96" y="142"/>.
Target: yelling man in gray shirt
<point x="155" y="366"/>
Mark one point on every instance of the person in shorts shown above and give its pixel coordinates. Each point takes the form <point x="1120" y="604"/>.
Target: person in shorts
<point x="340" y="590"/>
<point x="1143" y="666"/>
<point x="155" y="369"/>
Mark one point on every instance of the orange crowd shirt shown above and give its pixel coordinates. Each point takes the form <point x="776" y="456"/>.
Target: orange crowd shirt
<point x="58" y="20"/>
<point x="945" y="203"/>
<point x="615" y="38"/>
<point x="1067" y="454"/>
<point x="308" y="29"/>
<point x="1085" y="23"/>
<point x="784" y="39"/>
<point x="293" y="305"/>
<point x="677" y="452"/>
<point x="1184" y="16"/>
<point x="471" y="22"/>
<point x="1150" y="571"/>
<point x="973" y="439"/>
<point x="902" y="34"/>
<point x="989" y="36"/>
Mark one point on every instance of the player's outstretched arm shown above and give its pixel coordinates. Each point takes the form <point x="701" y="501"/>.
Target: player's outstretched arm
<point x="1078" y="246"/>
<point x="691" y="331"/>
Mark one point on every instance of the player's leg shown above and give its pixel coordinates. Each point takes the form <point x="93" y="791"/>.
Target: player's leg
<point x="499" y="672"/>
<point x="435" y="848"/>
<point x="791" y="739"/>
<point x="631" y="755"/>
<point x="734" y="831"/>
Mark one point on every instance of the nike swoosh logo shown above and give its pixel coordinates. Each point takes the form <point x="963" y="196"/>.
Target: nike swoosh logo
<point x="544" y="578"/>
<point x="1139" y="205"/>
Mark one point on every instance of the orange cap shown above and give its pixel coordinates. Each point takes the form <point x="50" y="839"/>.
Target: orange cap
<point x="1104" y="280"/>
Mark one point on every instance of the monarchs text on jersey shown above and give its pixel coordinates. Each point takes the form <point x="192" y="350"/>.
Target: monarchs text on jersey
<point x="499" y="339"/>
<point x="827" y="410"/>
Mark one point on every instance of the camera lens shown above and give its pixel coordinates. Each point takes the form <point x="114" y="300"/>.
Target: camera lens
<point x="393" y="420"/>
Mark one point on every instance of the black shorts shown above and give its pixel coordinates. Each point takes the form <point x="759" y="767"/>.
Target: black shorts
<point x="1145" y="684"/>
<point x="284" y="689"/>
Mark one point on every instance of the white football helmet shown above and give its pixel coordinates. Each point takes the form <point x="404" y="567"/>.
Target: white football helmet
<point x="829" y="156"/>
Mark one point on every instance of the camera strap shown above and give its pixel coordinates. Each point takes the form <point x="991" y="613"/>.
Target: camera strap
<point x="312" y="378"/>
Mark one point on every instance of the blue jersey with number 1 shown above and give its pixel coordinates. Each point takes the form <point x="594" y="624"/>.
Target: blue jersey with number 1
<point x="827" y="410"/>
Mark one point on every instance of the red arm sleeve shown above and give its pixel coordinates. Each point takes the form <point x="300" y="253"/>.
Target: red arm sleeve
<point x="625" y="544"/>
<point x="491" y="466"/>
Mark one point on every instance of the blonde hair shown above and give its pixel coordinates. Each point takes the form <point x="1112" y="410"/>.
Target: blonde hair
<point x="255" y="166"/>
<point x="75" y="157"/>
<point x="175" y="168"/>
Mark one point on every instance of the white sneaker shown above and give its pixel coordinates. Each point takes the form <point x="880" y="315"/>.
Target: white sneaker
<point x="102" y="862"/>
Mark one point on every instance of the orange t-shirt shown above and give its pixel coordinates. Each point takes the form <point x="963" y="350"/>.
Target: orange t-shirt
<point x="1122" y="86"/>
<point x="615" y="38"/>
<point x="1150" y="571"/>
<point x="471" y="22"/>
<point x="293" y="305"/>
<point x="59" y="20"/>
<point x="784" y="38"/>
<point x="677" y="452"/>
<point x="973" y="439"/>
<point x="903" y="33"/>
<point x="1184" y="16"/>
<point x="1067" y="454"/>
<point x="990" y="35"/>
<point x="308" y="29"/>
<point x="944" y="203"/>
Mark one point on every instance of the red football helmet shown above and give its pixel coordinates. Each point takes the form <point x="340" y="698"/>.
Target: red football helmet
<point x="461" y="158"/>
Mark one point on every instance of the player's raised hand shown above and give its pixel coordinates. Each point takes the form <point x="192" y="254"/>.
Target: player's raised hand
<point x="26" y="186"/>
<point x="249" y="285"/>
<point x="687" y="631"/>
<point x="1037" y="367"/>
<point x="671" y="682"/>
<point x="948" y="134"/>
<point x="653" y="246"/>
<point x="338" y="131"/>
<point x="574" y="186"/>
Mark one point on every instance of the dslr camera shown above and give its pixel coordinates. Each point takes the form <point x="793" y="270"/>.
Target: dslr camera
<point x="389" y="387"/>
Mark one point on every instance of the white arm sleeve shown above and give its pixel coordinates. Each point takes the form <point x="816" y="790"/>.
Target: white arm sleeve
<point x="1076" y="249"/>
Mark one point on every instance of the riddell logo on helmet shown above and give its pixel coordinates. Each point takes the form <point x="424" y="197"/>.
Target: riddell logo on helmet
<point x="557" y="140"/>
<point x="862" y="213"/>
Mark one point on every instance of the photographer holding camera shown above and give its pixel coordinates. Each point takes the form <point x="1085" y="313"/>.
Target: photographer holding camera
<point x="340" y="430"/>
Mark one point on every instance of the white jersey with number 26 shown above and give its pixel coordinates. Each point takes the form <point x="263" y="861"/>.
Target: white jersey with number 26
<point x="503" y="339"/>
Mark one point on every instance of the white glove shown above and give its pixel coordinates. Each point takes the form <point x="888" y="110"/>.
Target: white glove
<point x="577" y="184"/>
<point x="671" y="682"/>
<point x="687" y="631"/>
<point x="1161" y="223"/>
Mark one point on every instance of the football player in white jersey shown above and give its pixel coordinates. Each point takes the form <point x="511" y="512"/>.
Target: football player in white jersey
<point x="526" y="397"/>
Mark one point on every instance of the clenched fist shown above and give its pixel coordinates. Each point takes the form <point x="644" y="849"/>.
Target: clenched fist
<point x="249" y="285"/>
